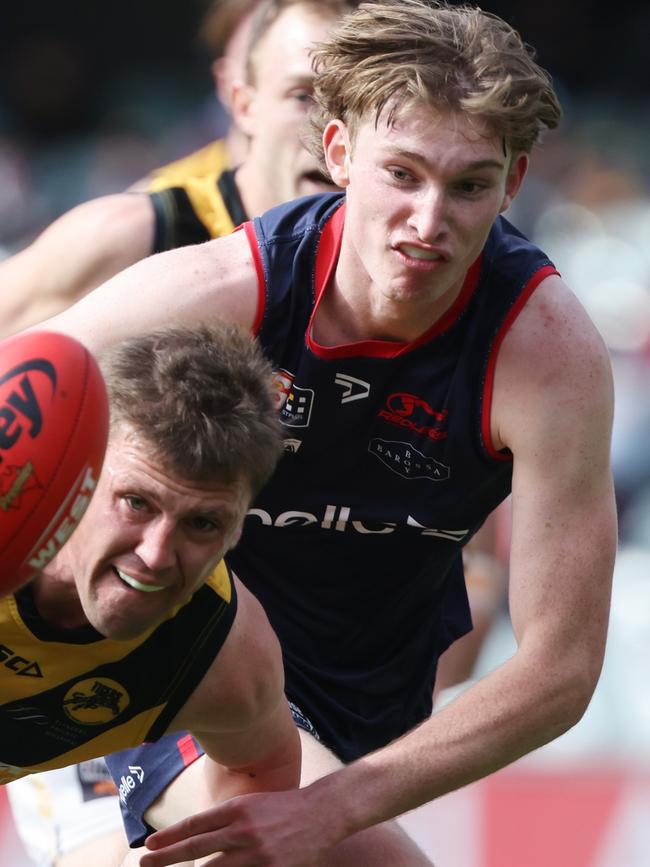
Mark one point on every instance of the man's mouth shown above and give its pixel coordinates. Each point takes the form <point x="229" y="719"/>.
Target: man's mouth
<point x="420" y="253"/>
<point x="138" y="585"/>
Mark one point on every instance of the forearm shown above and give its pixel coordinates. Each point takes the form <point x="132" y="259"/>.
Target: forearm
<point x="502" y="717"/>
<point x="272" y="764"/>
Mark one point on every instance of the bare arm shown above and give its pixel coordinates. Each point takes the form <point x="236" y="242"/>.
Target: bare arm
<point x="187" y="286"/>
<point x="80" y="250"/>
<point x="240" y="715"/>
<point x="485" y="577"/>
<point x="552" y="408"/>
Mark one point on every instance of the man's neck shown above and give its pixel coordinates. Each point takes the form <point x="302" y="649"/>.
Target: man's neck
<point x="56" y="598"/>
<point x="348" y="314"/>
<point x="252" y="190"/>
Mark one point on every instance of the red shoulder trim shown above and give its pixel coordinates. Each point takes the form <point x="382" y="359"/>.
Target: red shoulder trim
<point x="488" y="388"/>
<point x="249" y="229"/>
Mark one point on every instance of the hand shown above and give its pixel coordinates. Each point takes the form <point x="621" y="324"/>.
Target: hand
<point x="279" y="829"/>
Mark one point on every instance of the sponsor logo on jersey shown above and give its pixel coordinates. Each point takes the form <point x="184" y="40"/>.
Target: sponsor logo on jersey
<point x="95" y="701"/>
<point x="137" y="772"/>
<point x="296" y="411"/>
<point x="20" y="407"/>
<point x="415" y="414"/>
<point x="18" y="664"/>
<point x="282" y="382"/>
<point x="354" y="389"/>
<point x="407" y="461"/>
<point x="340" y="518"/>
<point x="292" y="445"/>
<point x="129" y="781"/>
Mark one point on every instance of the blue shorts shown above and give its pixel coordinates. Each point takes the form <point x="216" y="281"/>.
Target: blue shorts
<point x="143" y="773"/>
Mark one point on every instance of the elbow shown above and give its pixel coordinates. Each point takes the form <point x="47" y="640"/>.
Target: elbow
<point x="575" y="694"/>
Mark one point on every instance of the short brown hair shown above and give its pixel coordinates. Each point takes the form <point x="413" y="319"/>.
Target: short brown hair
<point x="391" y="53"/>
<point x="202" y="397"/>
<point x="270" y="10"/>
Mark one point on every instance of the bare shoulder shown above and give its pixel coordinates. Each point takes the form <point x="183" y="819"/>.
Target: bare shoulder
<point x="553" y="370"/>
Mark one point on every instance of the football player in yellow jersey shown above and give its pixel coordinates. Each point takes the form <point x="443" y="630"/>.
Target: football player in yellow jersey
<point x="137" y="627"/>
<point x="186" y="202"/>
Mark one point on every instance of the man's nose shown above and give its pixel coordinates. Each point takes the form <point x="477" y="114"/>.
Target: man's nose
<point x="157" y="547"/>
<point x="428" y="216"/>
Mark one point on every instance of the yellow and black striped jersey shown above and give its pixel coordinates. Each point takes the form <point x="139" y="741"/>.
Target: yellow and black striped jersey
<point x="68" y="695"/>
<point x="205" y="161"/>
<point x="195" y="199"/>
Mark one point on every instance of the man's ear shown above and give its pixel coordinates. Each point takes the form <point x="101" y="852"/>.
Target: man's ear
<point x="242" y="104"/>
<point x="221" y="69"/>
<point x="336" y="145"/>
<point x="516" y="174"/>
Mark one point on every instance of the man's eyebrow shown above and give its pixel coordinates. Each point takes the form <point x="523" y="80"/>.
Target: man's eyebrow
<point x="476" y="165"/>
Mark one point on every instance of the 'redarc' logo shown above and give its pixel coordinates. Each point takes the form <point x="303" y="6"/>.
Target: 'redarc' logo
<point x="414" y="413"/>
<point x="19" y="409"/>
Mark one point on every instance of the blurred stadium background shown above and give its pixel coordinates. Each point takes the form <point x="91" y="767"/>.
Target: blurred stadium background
<point x="94" y="95"/>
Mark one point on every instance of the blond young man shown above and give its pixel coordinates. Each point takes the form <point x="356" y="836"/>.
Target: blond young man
<point x="429" y="360"/>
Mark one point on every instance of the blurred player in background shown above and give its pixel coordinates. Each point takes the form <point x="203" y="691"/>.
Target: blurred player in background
<point x="200" y="197"/>
<point x="225" y="32"/>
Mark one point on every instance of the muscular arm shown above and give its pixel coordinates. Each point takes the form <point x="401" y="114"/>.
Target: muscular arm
<point x="552" y="408"/>
<point x="240" y="716"/>
<point x="80" y="250"/>
<point x="485" y="577"/>
<point x="187" y="286"/>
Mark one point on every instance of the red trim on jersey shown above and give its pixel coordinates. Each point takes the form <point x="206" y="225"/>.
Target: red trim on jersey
<point x="326" y="258"/>
<point x="187" y="749"/>
<point x="327" y="254"/>
<point x="249" y="229"/>
<point x="488" y="389"/>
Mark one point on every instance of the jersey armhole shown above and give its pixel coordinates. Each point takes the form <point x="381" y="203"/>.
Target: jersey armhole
<point x="249" y="230"/>
<point x="488" y="386"/>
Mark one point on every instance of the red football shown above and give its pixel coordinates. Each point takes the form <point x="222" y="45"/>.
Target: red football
<point x="53" y="431"/>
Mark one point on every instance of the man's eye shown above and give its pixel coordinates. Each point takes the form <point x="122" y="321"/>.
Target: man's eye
<point x="305" y="97"/>
<point x="400" y="174"/>
<point x="202" y="524"/>
<point x="136" y="503"/>
<point x="471" y="188"/>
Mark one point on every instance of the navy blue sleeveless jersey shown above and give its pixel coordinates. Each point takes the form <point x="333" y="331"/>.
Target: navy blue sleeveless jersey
<point x="354" y="547"/>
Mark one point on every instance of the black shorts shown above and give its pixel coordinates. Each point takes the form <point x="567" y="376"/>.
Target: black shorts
<point x="143" y="773"/>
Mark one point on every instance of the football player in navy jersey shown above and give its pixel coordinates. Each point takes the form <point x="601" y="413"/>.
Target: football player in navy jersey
<point x="429" y="361"/>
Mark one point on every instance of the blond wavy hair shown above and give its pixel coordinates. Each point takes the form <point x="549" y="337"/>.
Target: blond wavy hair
<point x="389" y="55"/>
